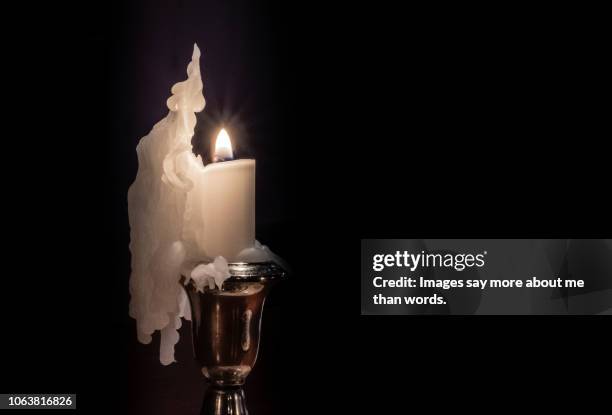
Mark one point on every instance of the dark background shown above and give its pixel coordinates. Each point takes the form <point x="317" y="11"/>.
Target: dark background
<point x="366" y="121"/>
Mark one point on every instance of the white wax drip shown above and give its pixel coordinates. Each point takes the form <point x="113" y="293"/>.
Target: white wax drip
<point x="159" y="215"/>
<point x="211" y="274"/>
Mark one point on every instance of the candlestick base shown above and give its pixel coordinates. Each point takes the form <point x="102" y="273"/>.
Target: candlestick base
<point x="226" y="326"/>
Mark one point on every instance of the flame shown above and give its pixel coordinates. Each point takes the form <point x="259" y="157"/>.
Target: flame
<point x="223" y="146"/>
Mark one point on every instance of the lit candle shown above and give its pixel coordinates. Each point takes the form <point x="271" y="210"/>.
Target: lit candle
<point x="226" y="194"/>
<point x="183" y="214"/>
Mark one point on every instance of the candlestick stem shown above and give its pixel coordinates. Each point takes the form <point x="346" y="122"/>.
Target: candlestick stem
<point x="224" y="401"/>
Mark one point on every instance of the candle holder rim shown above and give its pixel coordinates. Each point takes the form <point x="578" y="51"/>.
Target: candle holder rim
<point x="255" y="271"/>
<point x="243" y="272"/>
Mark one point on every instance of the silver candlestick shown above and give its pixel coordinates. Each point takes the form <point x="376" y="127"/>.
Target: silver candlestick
<point x="226" y="327"/>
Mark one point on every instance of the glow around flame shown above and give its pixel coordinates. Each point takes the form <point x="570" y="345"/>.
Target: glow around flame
<point x="223" y="147"/>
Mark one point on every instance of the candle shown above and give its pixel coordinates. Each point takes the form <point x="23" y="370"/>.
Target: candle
<point x="224" y="197"/>
<point x="184" y="215"/>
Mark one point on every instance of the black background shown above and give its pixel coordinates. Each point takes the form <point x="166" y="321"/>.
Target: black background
<point x="366" y="121"/>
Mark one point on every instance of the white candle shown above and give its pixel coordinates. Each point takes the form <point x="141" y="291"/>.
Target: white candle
<point x="183" y="213"/>
<point x="226" y="195"/>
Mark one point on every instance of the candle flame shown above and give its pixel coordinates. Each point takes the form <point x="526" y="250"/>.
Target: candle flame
<point x="223" y="147"/>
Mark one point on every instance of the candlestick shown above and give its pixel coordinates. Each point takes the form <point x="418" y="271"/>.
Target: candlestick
<point x="226" y="327"/>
